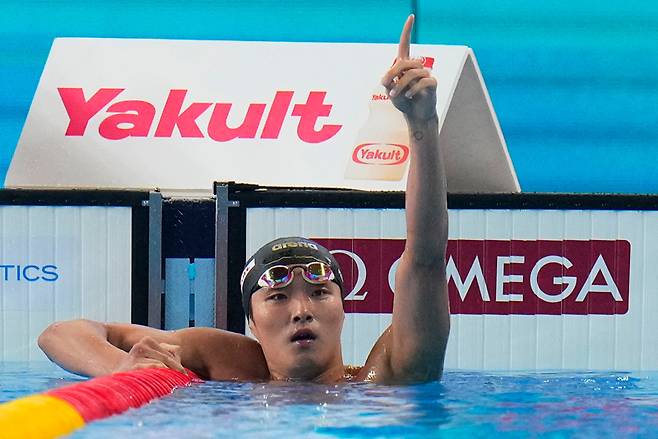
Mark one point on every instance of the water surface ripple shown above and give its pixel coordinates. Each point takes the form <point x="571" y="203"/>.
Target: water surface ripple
<point x="464" y="404"/>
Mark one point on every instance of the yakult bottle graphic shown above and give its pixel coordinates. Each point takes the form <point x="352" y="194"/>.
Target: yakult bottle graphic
<point x="382" y="144"/>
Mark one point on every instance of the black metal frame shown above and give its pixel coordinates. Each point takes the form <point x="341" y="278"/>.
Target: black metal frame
<point x="260" y="196"/>
<point x="230" y="246"/>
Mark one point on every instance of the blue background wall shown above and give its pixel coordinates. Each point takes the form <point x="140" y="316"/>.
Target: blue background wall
<point x="574" y="83"/>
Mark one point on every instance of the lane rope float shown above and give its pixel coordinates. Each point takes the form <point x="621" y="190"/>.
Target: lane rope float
<point x="60" y="411"/>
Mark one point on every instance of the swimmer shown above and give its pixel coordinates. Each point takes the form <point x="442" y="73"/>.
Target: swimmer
<point x="292" y="291"/>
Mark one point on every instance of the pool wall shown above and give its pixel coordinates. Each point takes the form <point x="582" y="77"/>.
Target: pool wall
<point x="536" y="281"/>
<point x="68" y="254"/>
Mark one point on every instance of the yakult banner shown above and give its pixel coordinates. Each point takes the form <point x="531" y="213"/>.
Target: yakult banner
<point x="181" y="114"/>
<point x="528" y="289"/>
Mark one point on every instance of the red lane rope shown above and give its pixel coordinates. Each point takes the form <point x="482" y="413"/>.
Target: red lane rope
<point x="112" y="394"/>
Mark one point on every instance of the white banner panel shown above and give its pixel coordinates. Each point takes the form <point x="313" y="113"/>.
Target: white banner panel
<point x="529" y="289"/>
<point x="60" y="263"/>
<point x="119" y="113"/>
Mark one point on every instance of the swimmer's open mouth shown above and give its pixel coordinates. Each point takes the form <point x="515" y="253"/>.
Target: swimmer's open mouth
<point x="303" y="335"/>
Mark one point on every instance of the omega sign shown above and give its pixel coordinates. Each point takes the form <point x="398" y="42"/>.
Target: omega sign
<point x="497" y="277"/>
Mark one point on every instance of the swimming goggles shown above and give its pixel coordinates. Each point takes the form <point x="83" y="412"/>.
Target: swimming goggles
<point x="281" y="276"/>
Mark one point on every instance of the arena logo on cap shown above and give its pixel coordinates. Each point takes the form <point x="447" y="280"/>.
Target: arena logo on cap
<point x="294" y="244"/>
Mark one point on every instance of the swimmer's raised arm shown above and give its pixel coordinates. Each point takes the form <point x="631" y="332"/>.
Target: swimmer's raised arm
<point x="93" y="348"/>
<point x="416" y="341"/>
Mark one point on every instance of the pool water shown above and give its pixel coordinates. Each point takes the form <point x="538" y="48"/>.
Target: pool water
<point x="464" y="404"/>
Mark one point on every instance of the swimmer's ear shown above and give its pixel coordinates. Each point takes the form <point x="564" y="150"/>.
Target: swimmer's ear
<point x="252" y="328"/>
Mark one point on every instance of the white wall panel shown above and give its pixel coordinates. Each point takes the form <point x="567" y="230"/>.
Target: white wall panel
<point x="507" y="342"/>
<point x="467" y="331"/>
<point x="602" y="328"/>
<point x="367" y="224"/>
<point x="94" y="254"/>
<point x="15" y="299"/>
<point x="628" y="350"/>
<point x="649" y="351"/>
<point x="88" y="249"/>
<point x="40" y="294"/>
<point x="550" y="337"/>
<point x="523" y="329"/>
<point x="497" y="329"/>
<point x="119" y="250"/>
<point x="67" y="248"/>
<point x="576" y="346"/>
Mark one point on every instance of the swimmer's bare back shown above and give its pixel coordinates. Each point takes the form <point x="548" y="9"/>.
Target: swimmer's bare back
<point x="92" y="348"/>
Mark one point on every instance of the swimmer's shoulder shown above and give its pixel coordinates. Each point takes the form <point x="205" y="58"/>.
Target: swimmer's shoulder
<point x="365" y="373"/>
<point x="352" y="372"/>
<point x="377" y="365"/>
<point x="355" y="374"/>
<point x="223" y="355"/>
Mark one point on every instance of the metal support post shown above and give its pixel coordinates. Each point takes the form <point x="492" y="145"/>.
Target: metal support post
<point x="155" y="260"/>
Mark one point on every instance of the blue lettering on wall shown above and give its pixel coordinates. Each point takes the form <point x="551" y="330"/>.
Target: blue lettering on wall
<point x="26" y="274"/>
<point x="5" y="269"/>
<point x="46" y="270"/>
<point x="29" y="273"/>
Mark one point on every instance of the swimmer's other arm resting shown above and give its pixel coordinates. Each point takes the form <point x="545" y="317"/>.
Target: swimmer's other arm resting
<point x="92" y="348"/>
<point x="413" y="348"/>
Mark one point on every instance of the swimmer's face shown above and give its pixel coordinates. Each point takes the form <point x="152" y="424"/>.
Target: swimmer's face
<point x="299" y="327"/>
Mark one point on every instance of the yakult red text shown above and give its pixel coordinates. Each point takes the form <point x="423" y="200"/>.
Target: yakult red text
<point x="496" y="276"/>
<point x="380" y="154"/>
<point x="137" y="118"/>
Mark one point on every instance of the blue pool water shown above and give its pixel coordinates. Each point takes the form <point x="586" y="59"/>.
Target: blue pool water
<point x="464" y="404"/>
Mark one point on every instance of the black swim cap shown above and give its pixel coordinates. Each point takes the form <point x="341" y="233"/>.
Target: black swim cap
<point x="283" y="251"/>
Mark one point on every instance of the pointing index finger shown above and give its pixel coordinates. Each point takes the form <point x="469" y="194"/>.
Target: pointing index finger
<point x="405" y="38"/>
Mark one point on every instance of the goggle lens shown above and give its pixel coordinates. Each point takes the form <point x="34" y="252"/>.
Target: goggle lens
<point x="281" y="276"/>
<point x="317" y="272"/>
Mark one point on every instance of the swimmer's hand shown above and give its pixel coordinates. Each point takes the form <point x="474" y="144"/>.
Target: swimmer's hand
<point x="149" y="353"/>
<point x="411" y="88"/>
